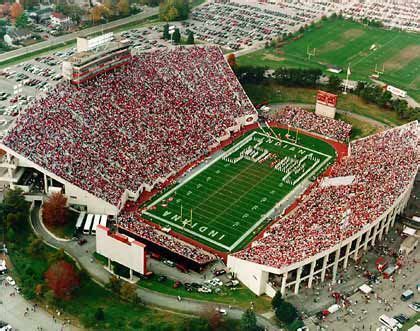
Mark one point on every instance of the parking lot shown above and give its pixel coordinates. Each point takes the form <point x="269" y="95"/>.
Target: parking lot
<point x="357" y="310"/>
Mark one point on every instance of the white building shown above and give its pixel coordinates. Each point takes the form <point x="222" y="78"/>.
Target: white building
<point x="59" y="20"/>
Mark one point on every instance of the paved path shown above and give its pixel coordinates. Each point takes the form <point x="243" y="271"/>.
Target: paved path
<point x="147" y="12"/>
<point x="369" y="120"/>
<point x="100" y="275"/>
<point x="12" y="311"/>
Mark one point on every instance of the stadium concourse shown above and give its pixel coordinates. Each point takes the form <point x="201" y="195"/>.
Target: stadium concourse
<point x="341" y="215"/>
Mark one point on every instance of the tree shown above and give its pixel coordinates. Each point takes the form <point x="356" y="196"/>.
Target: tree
<point x="54" y="210"/>
<point x="56" y="256"/>
<point x="99" y="314"/>
<point x="14" y="211"/>
<point x="62" y="279"/>
<point x="114" y="284"/>
<point x="213" y="317"/>
<point x="286" y="313"/>
<point x="334" y="83"/>
<point x="128" y="292"/>
<point x="75" y="12"/>
<point x="176" y="36"/>
<point x="22" y="21"/>
<point x="232" y="60"/>
<point x="190" y="38"/>
<point x="38" y="289"/>
<point x="36" y="247"/>
<point x="123" y="7"/>
<point x="166" y="34"/>
<point x="277" y="300"/>
<point x="249" y="321"/>
<point x="16" y="10"/>
<point x="97" y="12"/>
<point x="171" y="10"/>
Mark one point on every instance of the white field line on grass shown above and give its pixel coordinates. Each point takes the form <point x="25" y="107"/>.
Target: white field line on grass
<point x="187" y="230"/>
<point x="258" y="223"/>
<point x="243" y="142"/>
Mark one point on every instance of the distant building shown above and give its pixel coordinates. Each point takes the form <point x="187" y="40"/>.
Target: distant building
<point x="59" y="19"/>
<point x="14" y="37"/>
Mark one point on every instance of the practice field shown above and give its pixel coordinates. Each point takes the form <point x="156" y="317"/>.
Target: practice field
<point x="342" y="42"/>
<point x="225" y="203"/>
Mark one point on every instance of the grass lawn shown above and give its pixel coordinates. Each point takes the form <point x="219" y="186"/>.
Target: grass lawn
<point x="65" y="231"/>
<point x="240" y="297"/>
<point x="29" y="270"/>
<point x="274" y="93"/>
<point x="360" y="129"/>
<point x="411" y="322"/>
<point x="224" y="203"/>
<point x="341" y="43"/>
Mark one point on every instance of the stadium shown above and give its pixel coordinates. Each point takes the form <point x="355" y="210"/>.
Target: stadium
<point x="171" y="147"/>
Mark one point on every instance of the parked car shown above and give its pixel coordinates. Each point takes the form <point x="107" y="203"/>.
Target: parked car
<point x="415" y="306"/>
<point x="169" y="263"/>
<point x="5" y="326"/>
<point x="204" y="290"/>
<point x="221" y="311"/>
<point x="219" y="272"/>
<point x="177" y="284"/>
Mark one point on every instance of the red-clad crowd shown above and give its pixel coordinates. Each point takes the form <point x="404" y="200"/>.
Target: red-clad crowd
<point x="382" y="165"/>
<point x="133" y="223"/>
<point x="309" y="121"/>
<point x="135" y="126"/>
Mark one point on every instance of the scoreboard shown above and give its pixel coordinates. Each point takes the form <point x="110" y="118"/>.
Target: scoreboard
<point x="326" y="104"/>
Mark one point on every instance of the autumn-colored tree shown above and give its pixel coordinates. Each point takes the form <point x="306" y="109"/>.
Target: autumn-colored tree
<point x="213" y="317"/>
<point x="16" y="10"/>
<point x="231" y="60"/>
<point x="97" y="12"/>
<point x="128" y="292"/>
<point x="62" y="279"/>
<point x="123" y="7"/>
<point x="38" y="289"/>
<point x="54" y="211"/>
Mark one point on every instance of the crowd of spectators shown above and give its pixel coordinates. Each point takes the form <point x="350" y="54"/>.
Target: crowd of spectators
<point x="309" y="121"/>
<point x="383" y="166"/>
<point x="135" y="126"/>
<point x="132" y="222"/>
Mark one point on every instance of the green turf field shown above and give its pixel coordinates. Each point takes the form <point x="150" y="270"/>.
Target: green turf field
<point x="225" y="203"/>
<point x="342" y="42"/>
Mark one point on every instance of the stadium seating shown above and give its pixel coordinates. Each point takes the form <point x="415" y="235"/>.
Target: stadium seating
<point x="299" y="118"/>
<point x="133" y="223"/>
<point x="133" y="128"/>
<point x="383" y="166"/>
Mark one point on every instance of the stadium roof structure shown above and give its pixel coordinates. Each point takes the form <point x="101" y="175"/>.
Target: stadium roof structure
<point x="130" y="130"/>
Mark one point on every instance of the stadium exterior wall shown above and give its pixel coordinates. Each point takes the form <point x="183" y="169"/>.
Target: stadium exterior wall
<point x="255" y="276"/>
<point x="75" y="195"/>
<point x="122" y="249"/>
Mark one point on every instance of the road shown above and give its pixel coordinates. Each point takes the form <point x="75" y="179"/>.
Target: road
<point x="147" y="12"/>
<point x="101" y="276"/>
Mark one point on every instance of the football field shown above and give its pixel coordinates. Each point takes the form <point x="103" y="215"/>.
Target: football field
<point x="395" y="54"/>
<point x="226" y="202"/>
